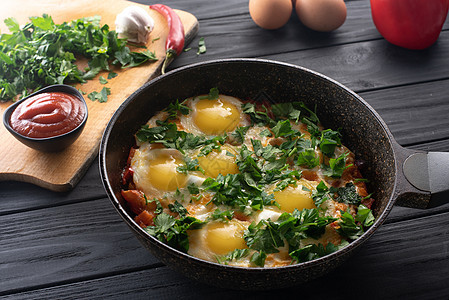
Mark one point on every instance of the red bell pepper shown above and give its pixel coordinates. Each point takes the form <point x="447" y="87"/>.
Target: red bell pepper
<point x="412" y="24"/>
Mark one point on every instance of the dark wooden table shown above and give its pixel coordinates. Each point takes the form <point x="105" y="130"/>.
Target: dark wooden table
<point x="74" y="245"/>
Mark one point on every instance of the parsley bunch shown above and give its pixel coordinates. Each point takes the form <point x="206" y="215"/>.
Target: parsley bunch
<point x="42" y="53"/>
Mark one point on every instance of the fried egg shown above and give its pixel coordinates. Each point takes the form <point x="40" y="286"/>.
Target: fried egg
<point x="158" y="174"/>
<point x="299" y="196"/>
<point x="155" y="171"/>
<point x="219" y="161"/>
<point x="213" y="117"/>
<point x="217" y="238"/>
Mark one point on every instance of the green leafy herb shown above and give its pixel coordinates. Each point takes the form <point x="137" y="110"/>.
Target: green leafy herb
<point x="321" y="194"/>
<point x="336" y="166"/>
<point x="239" y="134"/>
<point x="257" y="117"/>
<point x="190" y="165"/>
<point x="159" y="209"/>
<point x="213" y="94"/>
<point x="348" y="194"/>
<point x="308" y="158"/>
<point x="258" y="258"/>
<point x="201" y="46"/>
<point x="288" y="178"/>
<point x="224" y="216"/>
<point x="174" y="108"/>
<point x="193" y="189"/>
<point x="112" y="75"/>
<point x="329" y="141"/>
<point x="294" y="111"/>
<point x="177" y="207"/>
<point x="42" y="53"/>
<point x="284" y="128"/>
<point x="101" y="96"/>
<point x="364" y="216"/>
<point x="348" y="227"/>
<point x="267" y="236"/>
<point x="173" y="231"/>
<point x="361" y="180"/>
<point x="103" y="80"/>
<point x="232" y="256"/>
<point x="311" y="252"/>
<point x="263" y="236"/>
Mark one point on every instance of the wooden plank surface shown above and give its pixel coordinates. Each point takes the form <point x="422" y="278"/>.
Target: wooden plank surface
<point x="384" y="259"/>
<point x="84" y="251"/>
<point x="61" y="171"/>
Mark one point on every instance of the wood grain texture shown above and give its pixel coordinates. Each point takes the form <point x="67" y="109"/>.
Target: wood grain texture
<point x="62" y="243"/>
<point x="73" y="245"/>
<point x="384" y="259"/>
<point x="238" y="36"/>
<point x="61" y="171"/>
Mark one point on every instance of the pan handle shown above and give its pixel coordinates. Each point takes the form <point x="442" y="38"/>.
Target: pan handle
<point x="427" y="173"/>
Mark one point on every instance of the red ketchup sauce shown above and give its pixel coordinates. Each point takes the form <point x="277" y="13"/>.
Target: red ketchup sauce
<point x="48" y="115"/>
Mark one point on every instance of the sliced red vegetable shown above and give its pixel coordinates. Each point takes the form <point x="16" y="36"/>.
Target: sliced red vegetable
<point x="175" y="39"/>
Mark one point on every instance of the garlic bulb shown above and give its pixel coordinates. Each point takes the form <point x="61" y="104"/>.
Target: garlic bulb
<point x="134" y="24"/>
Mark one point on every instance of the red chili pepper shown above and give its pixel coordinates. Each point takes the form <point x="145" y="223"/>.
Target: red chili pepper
<point x="175" y="39"/>
<point x="412" y="24"/>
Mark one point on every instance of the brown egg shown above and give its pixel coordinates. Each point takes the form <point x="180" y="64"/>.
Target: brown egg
<point x="270" y="14"/>
<point x="321" y="15"/>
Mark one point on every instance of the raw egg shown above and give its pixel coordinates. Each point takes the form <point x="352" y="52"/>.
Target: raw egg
<point x="321" y="15"/>
<point x="270" y="14"/>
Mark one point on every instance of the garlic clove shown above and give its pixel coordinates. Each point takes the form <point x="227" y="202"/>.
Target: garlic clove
<point x="134" y="24"/>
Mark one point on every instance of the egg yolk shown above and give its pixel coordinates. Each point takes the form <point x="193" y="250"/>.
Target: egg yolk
<point x="162" y="173"/>
<point x="222" y="238"/>
<point x="294" y="197"/>
<point x="215" y="117"/>
<point x="219" y="162"/>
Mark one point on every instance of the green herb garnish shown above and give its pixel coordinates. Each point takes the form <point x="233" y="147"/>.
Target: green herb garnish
<point x="42" y="53"/>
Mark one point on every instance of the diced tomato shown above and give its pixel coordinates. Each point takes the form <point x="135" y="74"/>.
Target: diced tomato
<point x="145" y="218"/>
<point x="240" y="216"/>
<point x="137" y="202"/>
<point x="310" y="175"/>
<point x="131" y="155"/>
<point x="127" y="176"/>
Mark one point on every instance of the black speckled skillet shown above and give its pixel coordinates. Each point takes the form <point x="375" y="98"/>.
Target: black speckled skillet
<point x="390" y="168"/>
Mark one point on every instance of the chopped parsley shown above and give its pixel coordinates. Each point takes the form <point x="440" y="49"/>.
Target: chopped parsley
<point x="336" y="166"/>
<point x="174" y="108"/>
<point x="213" y="94"/>
<point x="267" y="236"/>
<point x="223" y="216"/>
<point x="265" y="166"/>
<point x="42" y="53"/>
<point x="348" y="194"/>
<point x="173" y="231"/>
<point x="201" y="47"/>
<point x="101" y="96"/>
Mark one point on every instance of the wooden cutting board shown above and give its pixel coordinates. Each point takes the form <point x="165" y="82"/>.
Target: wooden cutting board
<point x="62" y="171"/>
